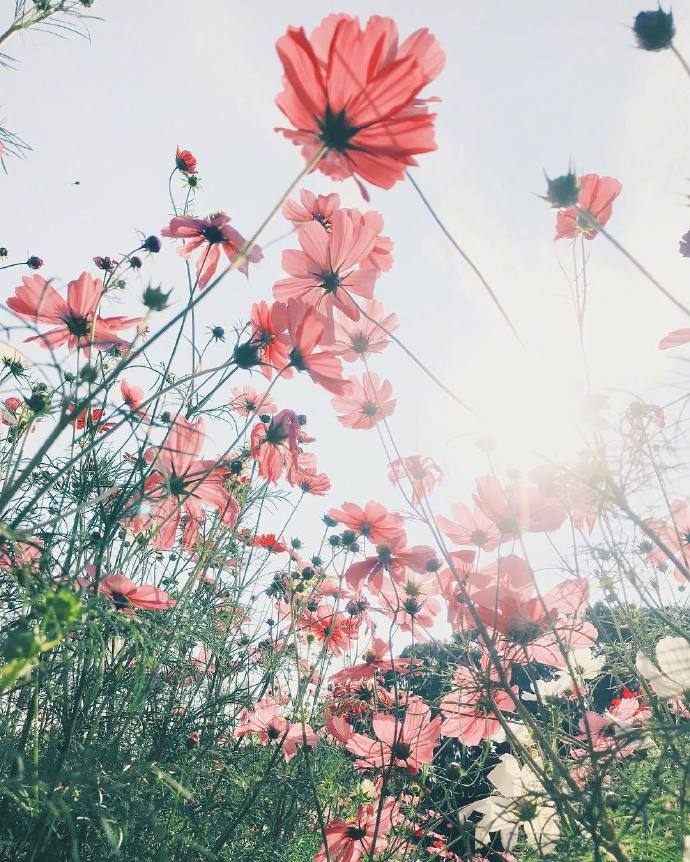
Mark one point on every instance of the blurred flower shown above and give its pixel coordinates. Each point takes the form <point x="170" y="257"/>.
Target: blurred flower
<point x="126" y="595"/>
<point x="654" y="30"/>
<point x="596" y="197"/>
<point x="365" y="403"/>
<point x="670" y="676"/>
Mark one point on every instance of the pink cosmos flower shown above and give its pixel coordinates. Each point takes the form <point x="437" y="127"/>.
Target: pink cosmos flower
<point x="675" y="339"/>
<point x="275" y="446"/>
<point x="393" y="559"/>
<point x="470" y="528"/>
<point x="470" y="709"/>
<point x="271" y="727"/>
<point x="182" y="484"/>
<point x="75" y="321"/>
<point x="305" y="476"/>
<point x="407" y="742"/>
<point x="421" y="471"/>
<point x="374" y="522"/>
<point x="268" y="333"/>
<point x="376" y="659"/>
<point x="319" y="208"/>
<point x="381" y="256"/>
<point x="208" y="236"/>
<point x="133" y="397"/>
<point x="519" y="507"/>
<point x="126" y="595"/>
<point x="534" y="625"/>
<point x="365" y="403"/>
<point x="413" y="603"/>
<point x="675" y="534"/>
<point x="327" y="268"/>
<point x="247" y="400"/>
<point x="23" y="555"/>
<point x="356" y="91"/>
<point x="364" y="837"/>
<point x="359" y="339"/>
<point x="306" y="333"/>
<point x="596" y="197"/>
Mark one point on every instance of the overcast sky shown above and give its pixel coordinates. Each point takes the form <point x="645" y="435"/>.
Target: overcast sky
<point x="527" y="87"/>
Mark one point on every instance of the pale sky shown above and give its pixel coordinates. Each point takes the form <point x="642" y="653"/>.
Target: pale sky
<point x="527" y="87"/>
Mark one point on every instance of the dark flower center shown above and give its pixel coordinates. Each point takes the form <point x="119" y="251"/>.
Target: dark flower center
<point x="322" y="220"/>
<point x="335" y="131"/>
<point x="297" y="360"/>
<point x="120" y="600"/>
<point x="356" y="833"/>
<point x="369" y="408"/>
<point x="212" y="234"/>
<point x="330" y="282"/>
<point x="412" y="606"/>
<point x="272" y="732"/>
<point x="360" y="343"/>
<point x="177" y="485"/>
<point x="401" y="750"/>
<point x="78" y="326"/>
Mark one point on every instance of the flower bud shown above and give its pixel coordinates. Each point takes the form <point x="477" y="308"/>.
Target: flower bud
<point x="246" y="355"/>
<point x="654" y="30"/>
<point x="562" y="191"/>
<point x="135" y="262"/>
<point x="218" y="333"/>
<point x="34" y="262"/>
<point x="152" y="244"/>
<point x="155" y="299"/>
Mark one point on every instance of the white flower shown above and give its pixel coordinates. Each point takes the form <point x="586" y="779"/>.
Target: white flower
<point x="670" y="677"/>
<point x="581" y="665"/>
<point x="686" y="849"/>
<point x="521" y="802"/>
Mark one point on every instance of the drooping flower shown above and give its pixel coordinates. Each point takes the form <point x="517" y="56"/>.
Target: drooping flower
<point x="355" y="91"/>
<point x="358" y="339"/>
<point x="208" y="236"/>
<point x="374" y="522"/>
<point x="596" y="197"/>
<point x="275" y="446"/>
<point x="126" y="595"/>
<point x="75" y="320"/>
<point x="327" y="268"/>
<point x="366" y="402"/>
<point x="133" y="396"/>
<point x="185" y="162"/>
<point x="246" y="400"/>
<point x="268" y="334"/>
<point x="421" y="471"/>
<point x="306" y="334"/>
<point x="182" y="484"/>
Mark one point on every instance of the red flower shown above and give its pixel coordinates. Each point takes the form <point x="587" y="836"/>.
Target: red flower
<point x="596" y="197"/>
<point x="355" y="91"/>
<point x="126" y="595"/>
<point x="91" y="418"/>
<point x="133" y="396"/>
<point x="185" y="162"/>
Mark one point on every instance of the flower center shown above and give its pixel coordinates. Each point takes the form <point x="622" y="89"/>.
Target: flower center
<point x="335" y="131"/>
<point x="401" y="750"/>
<point x="78" y="326"/>
<point x="297" y="360"/>
<point x="212" y="234"/>
<point x="356" y="833"/>
<point x="330" y="282"/>
<point x="176" y="485"/>
<point x="369" y="408"/>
